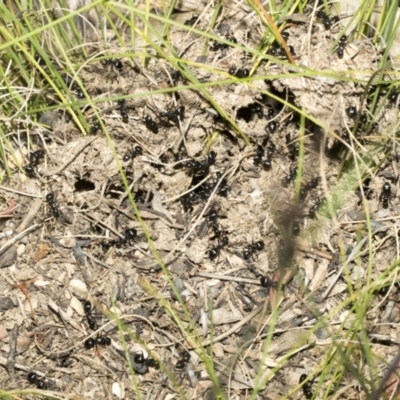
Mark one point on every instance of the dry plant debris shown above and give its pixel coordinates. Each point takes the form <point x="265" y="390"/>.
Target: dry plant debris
<point x="223" y="217"/>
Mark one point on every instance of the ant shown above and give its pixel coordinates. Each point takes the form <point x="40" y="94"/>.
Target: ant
<point x="351" y="112"/>
<point x="267" y="283"/>
<point x="174" y="115"/>
<point x="259" y="155"/>
<point x="149" y="362"/>
<point x="341" y="46"/>
<point x="87" y="307"/>
<point x="271" y="126"/>
<point x="54" y="208"/>
<point x="291" y="176"/>
<point x="386" y="193"/>
<point x="128" y="234"/>
<point x="34" y="379"/>
<point x="183" y="361"/>
<point x="115" y="62"/>
<point x="306" y="387"/>
<point x="131" y="154"/>
<point x="258" y="110"/>
<point x="95" y="127"/>
<point x="293" y="147"/>
<point x="151" y="125"/>
<point x="213" y="253"/>
<point x="123" y="110"/>
<point x="325" y="19"/>
<point x="253" y="248"/>
<point x="223" y="187"/>
<point x="213" y="216"/>
<point x="191" y="21"/>
<point x="222" y="46"/>
<point x="313" y="209"/>
<point x="102" y="341"/>
<point x="239" y="72"/>
<point x="34" y="159"/>
<point x="199" y="169"/>
<point x="312" y="184"/>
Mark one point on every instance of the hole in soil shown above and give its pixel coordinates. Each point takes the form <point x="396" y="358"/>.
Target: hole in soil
<point x="245" y="113"/>
<point x="83" y="185"/>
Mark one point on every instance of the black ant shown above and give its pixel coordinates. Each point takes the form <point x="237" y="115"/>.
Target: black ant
<point x="213" y="218"/>
<point x="128" y="234"/>
<point x="271" y="126"/>
<point x="149" y="362"/>
<point x="218" y="46"/>
<point x="293" y="147"/>
<point x="35" y="380"/>
<point x="222" y="46"/>
<point x="199" y="169"/>
<point x="259" y="155"/>
<point x="325" y="19"/>
<point x="54" y="208"/>
<point x="213" y="253"/>
<point x="150" y="124"/>
<point x="385" y="195"/>
<point x="258" y="110"/>
<point x="102" y="341"/>
<point x="223" y="187"/>
<point x="34" y="160"/>
<point x="123" y="110"/>
<point x="183" y="361"/>
<point x="95" y="127"/>
<point x="115" y="62"/>
<point x="393" y="97"/>
<point x="131" y="154"/>
<point x="267" y="283"/>
<point x="239" y="72"/>
<point x="341" y="46"/>
<point x="313" y="209"/>
<point x="290" y="177"/>
<point x="306" y="387"/>
<point x="191" y="21"/>
<point x="351" y="112"/>
<point x="174" y="115"/>
<point x="253" y="248"/>
<point x="312" y="184"/>
<point x="87" y="307"/>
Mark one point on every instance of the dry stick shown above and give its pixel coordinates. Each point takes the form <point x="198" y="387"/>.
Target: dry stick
<point x="376" y="395"/>
<point x="69" y="161"/>
<point x="12" y="340"/>
<point x="18" y="192"/>
<point x="33" y="210"/>
<point x="16" y="238"/>
<point x="236" y="327"/>
<point x="348" y="261"/>
<point x="228" y="278"/>
<point x="275" y="30"/>
<point x="316" y="252"/>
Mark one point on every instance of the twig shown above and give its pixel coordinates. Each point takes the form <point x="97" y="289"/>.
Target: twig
<point x="72" y="158"/>
<point x="274" y="28"/>
<point x="12" y="341"/>
<point x="376" y="395"/>
<point x="236" y="327"/>
<point x="33" y="210"/>
<point x="348" y="261"/>
<point x="316" y="252"/>
<point x="228" y="278"/>
<point x="16" y="238"/>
